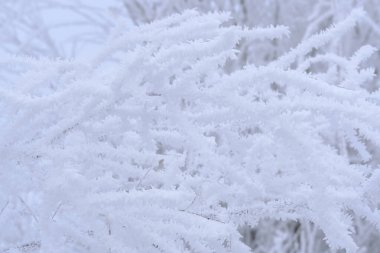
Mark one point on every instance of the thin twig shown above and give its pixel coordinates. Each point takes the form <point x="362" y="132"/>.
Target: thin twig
<point x="192" y="202"/>
<point x="141" y="179"/>
<point x="205" y="217"/>
<point x="30" y="210"/>
<point x="5" y="206"/>
<point x="56" y="210"/>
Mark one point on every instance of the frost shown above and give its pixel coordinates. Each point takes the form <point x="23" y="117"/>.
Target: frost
<point x="152" y="146"/>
